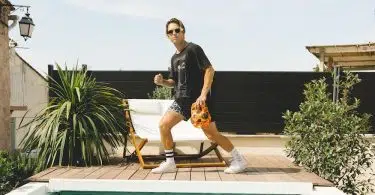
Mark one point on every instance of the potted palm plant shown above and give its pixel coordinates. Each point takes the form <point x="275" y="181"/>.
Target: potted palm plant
<point x="81" y="116"/>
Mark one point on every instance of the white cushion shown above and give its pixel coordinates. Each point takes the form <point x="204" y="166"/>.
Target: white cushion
<point x="165" y="104"/>
<point x="145" y="106"/>
<point x="146" y="125"/>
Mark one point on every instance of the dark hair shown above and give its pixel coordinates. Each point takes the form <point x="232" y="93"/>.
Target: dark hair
<point x="176" y="21"/>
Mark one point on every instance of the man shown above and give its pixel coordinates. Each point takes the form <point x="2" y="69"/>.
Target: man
<point x="191" y="75"/>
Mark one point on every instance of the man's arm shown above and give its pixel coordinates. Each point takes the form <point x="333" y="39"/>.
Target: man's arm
<point x="168" y="83"/>
<point x="208" y="79"/>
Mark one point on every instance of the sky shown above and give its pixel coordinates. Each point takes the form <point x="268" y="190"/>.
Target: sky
<point x="236" y="35"/>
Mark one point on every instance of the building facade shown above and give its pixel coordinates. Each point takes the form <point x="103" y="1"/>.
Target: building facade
<point x="5" y="135"/>
<point x="29" y="89"/>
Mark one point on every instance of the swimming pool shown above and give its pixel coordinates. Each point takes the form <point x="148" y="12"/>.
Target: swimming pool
<point x="167" y="187"/>
<point x="140" y="193"/>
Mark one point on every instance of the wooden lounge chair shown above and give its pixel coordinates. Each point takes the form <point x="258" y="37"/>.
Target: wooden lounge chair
<point x="143" y="116"/>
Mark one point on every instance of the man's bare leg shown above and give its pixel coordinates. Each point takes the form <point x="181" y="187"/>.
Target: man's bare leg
<point x="214" y="135"/>
<point x="239" y="163"/>
<point x="168" y="121"/>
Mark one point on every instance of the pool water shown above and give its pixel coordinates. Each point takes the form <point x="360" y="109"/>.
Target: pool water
<point x="139" y="193"/>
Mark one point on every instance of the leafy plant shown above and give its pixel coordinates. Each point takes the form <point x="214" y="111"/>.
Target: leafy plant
<point x="82" y="115"/>
<point x="14" y="169"/>
<point x="328" y="137"/>
<point x="161" y="92"/>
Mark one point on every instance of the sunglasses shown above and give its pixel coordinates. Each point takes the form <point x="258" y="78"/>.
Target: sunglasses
<point x="177" y="30"/>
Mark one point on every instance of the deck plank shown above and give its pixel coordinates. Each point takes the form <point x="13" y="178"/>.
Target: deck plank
<point x="168" y="176"/>
<point x="260" y="168"/>
<point x="85" y="172"/>
<point x="211" y="173"/>
<point x="54" y="174"/>
<point x="197" y="173"/>
<point x="252" y="171"/>
<point x="274" y="172"/>
<point x="303" y="175"/>
<point x="224" y="176"/>
<point x="128" y="172"/>
<point x="264" y="170"/>
<point x="140" y="174"/>
<point x="113" y="172"/>
<point x="99" y="172"/>
<point x="37" y="176"/>
<point x="153" y="176"/>
<point x="183" y="173"/>
<point x="70" y="173"/>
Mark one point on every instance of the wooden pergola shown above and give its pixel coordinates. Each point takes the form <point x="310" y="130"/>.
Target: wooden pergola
<point x="353" y="56"/>
<point x="349" y="57"/>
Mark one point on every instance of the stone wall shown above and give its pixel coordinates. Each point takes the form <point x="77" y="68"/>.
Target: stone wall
<point x="4" y="78"/>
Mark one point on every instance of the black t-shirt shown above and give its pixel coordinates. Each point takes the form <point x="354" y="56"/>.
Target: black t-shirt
<point x="187" y="70"/>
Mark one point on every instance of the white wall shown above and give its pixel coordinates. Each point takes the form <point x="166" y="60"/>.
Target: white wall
<point x="28" y="88"/>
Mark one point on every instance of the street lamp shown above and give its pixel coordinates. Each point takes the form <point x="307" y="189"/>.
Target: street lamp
<point x="26" y="26"/>
<point x="26" y="23"/>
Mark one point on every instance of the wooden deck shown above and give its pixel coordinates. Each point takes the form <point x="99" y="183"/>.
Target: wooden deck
<point x="269" y="168"/>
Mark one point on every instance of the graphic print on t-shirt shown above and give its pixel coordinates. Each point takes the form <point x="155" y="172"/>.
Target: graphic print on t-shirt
<point x="182" y="73"/>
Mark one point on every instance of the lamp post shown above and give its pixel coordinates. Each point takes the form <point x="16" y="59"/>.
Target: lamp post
<point x="26" y="26"/>
<point x="26" y="23"/>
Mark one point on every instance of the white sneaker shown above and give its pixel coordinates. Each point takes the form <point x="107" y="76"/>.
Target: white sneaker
<point x="165" y="167"/>
<point x="238" y="164"/>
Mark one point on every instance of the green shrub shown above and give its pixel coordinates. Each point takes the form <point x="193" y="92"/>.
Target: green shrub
<point x="14" y="169"/>
<point x="327" y="137"/>
<point x="79" y="119"/>
<point x="161" y="92"/>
